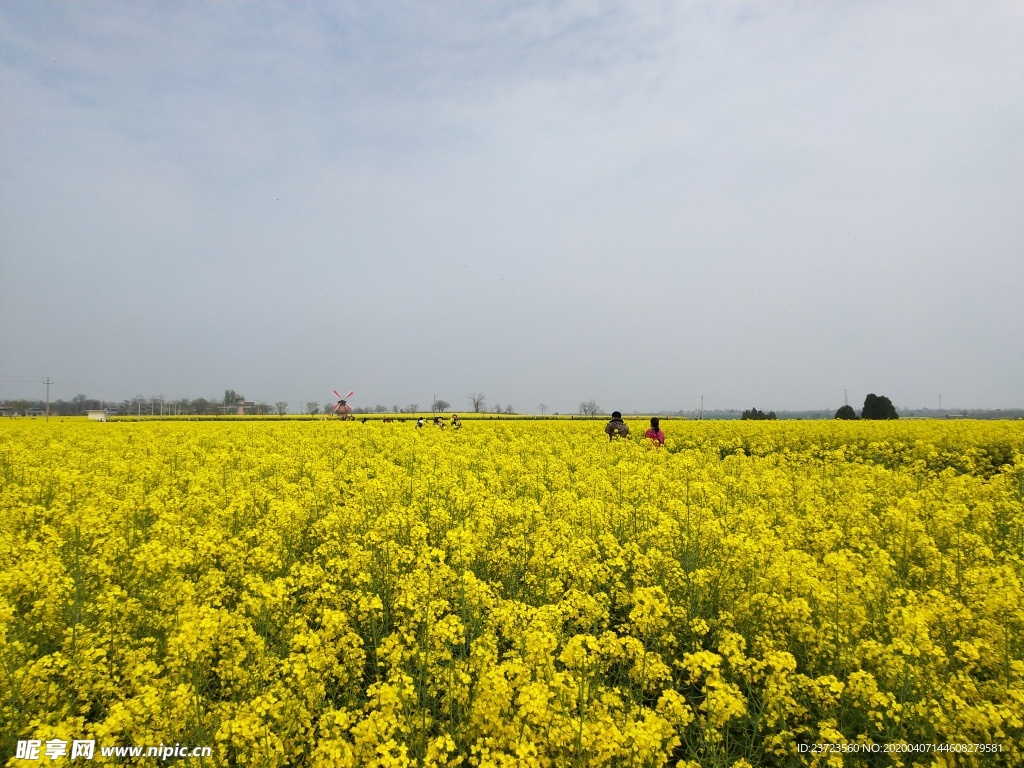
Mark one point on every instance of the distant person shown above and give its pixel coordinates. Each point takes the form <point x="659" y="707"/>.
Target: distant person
<point x="456" y="424"/>
<point x="616" y="426"/>
<point x="655" y="433"/>
<point x="419" y="422"/>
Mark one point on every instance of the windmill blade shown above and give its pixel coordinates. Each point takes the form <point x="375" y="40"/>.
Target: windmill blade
<point x="348" y="395"/>
<point x="337" y="395"/>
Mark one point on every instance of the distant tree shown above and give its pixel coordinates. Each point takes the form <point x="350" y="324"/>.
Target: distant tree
<point x="412" y="408"/>
<point x="846" y="412"/>
<point x="589" y="408"/>
<point x="229" y="396"/>
<point x="543" y="408"/>
<point x="755" y="415"/>
<point x="380" y="409"/>
<point x="497" y="408"/>
<point x="878" y="407"/>
<point x="79" y="401"/>
<point x="441" y="405"/>
<point x="394" y="409"/>
<point x="312" y="408"/>
<point x="137" y="405"/>
<point x="509" y="409"/>
<point x="476" y="399"/>
<point x="282" y="407"/>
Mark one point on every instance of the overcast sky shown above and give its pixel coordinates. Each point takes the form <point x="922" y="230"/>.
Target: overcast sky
<point x="765" y="203"/>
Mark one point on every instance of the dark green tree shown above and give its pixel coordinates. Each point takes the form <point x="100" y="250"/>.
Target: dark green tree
<point x="755" y="415"/>
<point x="878" y="407"/>
<point x="846" y="412"/>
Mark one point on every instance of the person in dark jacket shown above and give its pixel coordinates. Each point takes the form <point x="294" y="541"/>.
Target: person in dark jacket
<point x="616" y="426"/>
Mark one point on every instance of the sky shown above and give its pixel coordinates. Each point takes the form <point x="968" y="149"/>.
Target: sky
<point x="764" y="204"/>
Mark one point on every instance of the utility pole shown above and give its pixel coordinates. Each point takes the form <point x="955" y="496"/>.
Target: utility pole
<point x="48" y="383"/>
<point x="940" y="402"/>
<point x="845" y="399"/>
<point x="702" y="408"/>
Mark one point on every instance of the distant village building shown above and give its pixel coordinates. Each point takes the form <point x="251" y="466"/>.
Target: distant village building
<point x="241" y="404"/>
<point x="96" y="415"/>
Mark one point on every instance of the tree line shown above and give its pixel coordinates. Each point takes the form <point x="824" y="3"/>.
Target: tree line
<point x="146" y="405"/>
<point x="155" y="405"/>
<point x="875" y="407"/>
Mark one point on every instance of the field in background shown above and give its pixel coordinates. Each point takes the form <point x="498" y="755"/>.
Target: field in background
<point x="358" y="417"/>
<point x="514" y="593"/>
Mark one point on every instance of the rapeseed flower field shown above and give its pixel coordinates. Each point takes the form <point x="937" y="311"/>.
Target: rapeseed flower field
<point x="515" y="593"/>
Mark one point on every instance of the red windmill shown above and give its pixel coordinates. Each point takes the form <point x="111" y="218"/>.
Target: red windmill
<point x="342" y="408"/>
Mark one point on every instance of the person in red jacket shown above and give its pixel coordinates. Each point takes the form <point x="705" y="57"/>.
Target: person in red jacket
<point x="655" y="433"/>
